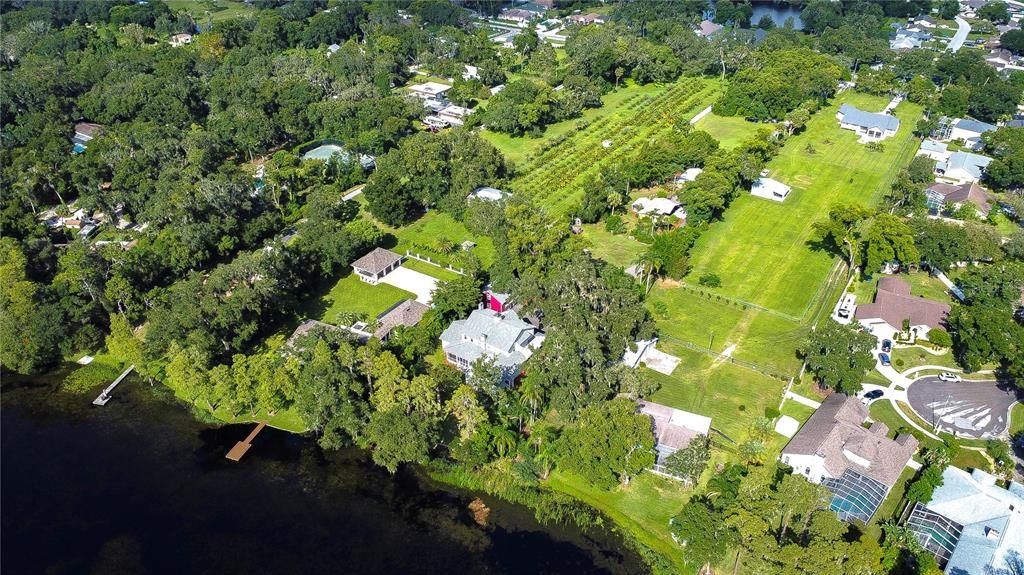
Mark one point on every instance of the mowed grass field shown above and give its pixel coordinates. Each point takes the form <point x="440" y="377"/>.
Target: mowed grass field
<point x="763" y="250"/>
<point x="730" y="131"/>
<point x="214" y="10"/>
<point x="775" y="283"/>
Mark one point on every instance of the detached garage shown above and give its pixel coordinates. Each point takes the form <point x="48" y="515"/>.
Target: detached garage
<point x="770" y="189"/>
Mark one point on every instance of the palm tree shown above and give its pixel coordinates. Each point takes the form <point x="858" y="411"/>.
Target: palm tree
<point x="502" y="440"/>
<point x="531" y="394"/>
<point x="545" y="459"/>
<point x="614" y="201"/>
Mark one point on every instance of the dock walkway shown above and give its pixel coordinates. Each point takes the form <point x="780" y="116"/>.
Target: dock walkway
<point x="243" y="446"/>
<point x="104" y="396"/>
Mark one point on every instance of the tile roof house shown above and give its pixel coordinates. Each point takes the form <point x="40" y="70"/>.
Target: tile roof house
<point x="963" y="167"/>
<point x="858" y="466"/>
<point x="674" y="429"/>
<point x="971" y="524"/>
<point x="180" y="40"/>
<point x="707" y="28"/>
<point x="376" y="264"/>
<point x="500" y="336"/>
<point x="84" y="132"/>
<point x="942" y="196"/>
<point x="893" y="304"/>
<point x="871" y="126"/>
<point x="407" y="313"/>
<point x="770" y="189"/>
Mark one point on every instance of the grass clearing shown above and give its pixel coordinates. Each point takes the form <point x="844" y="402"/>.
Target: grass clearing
<point x="1016" y="419"/>
<point x="620" y="250"/>
<point x="730" y="395"/>
<point x="422" y="237"/>
<point x="643" y="508"/>
<point x="433" y="271"/>
<point x="765" y="252"/>
<point x="353" y="295"/>
<point x="203" y="11"/>
<point x="730" y="131"/>
<point x="892" y="506"/>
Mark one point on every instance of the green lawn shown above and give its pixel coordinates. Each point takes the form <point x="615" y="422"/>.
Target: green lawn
<point x="893" y="503"/>
<point x="730" y="131"/>
<point x="1017" y="418"/>
<point x="921" y="283"/>
<point x="353" y="295"/>
<point x="971" y="459"/>
<point x="797" y="411"/>
<point x="212" y="10"/>
<point x="422" y="235"/>
<point x="730" y="395"/>
<point x="621" y="250"/>
<point x="431" y="270"/>
<point x="906" y="358"/>
<point x="764" y="251"/>
<point x="643" y="508"/>
<point x="517" y="149"/>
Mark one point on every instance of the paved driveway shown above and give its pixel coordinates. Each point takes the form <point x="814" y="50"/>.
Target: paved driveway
<point x="412" y="281"/>
<point x="963" y="29"/>
<point x="977" y="409"/>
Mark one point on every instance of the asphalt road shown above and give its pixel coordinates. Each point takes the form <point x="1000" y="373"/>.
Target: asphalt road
<point x="976" y="409"/>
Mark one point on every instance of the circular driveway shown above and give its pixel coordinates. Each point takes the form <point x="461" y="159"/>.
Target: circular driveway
<point x="975" y="409"/>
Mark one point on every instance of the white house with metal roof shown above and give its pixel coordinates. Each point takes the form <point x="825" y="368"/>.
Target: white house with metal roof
<point x="770" y="189"/>
<point x="871" y="126"/>
<point x="962" y="167"/>
<point x="500" y="336"/>
<point x="971" y="524"/>
<point x="966" y="129"/>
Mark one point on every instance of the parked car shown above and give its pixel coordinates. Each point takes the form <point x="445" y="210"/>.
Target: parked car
<point x="873" y="394"/>
<point x="886" y="345"/>
<point x="950" y="377"/>
<point x="884" y="358"/>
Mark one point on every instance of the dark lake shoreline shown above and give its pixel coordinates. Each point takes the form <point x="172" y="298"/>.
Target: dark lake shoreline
<point x="140" y="486"/>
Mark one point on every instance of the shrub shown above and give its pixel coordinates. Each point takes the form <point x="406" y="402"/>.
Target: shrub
<point x="940" y="337"/>
<point x="710" y="280"/>
<point x="772" y="413"/>
<point x="898" y="362"/>
<point x="614" y="224"/>
<point x="90" y="376"/>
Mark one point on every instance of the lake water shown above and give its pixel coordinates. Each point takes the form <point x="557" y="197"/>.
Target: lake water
<point x="778" y="12"/>
<point x="140" y="487"/>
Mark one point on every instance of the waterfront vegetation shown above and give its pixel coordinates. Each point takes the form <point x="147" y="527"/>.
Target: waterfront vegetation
<point x="224" y="270"/>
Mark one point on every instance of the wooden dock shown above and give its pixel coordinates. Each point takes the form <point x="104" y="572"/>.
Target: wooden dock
<point x="243" y="446"/>
<point x="104" y="397"/>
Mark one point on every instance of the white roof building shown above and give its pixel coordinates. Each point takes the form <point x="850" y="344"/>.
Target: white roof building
<point x="487" y="193"/>
<point x="688" y="176"/>
<point x="430" y="90"/>
<point x="658" y="206"/>
<point x="971" y="524"/>
<point x="963" y="167"/>
<point x="770" y="189"/>
<point x="500" y="336"/>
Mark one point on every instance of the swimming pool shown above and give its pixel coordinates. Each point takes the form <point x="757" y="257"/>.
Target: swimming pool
<point x="323" y="152"/>
<point x="78" y="148"/>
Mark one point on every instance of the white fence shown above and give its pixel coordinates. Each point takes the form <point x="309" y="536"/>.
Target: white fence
<point x="427" y="260"/>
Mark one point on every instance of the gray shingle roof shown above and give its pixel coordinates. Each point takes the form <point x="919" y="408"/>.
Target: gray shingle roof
<point x="376" y="261"/>
<point x="858" y="117"/>
<point x="835" y="429"/>
<point x="499" y="330"/>
<point x="407" y="312"/>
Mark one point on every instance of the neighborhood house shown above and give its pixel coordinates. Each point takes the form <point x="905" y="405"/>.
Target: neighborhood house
<point x="858" y="465"/>
<point x="376" y="264"/>
<point x="969" y="131"/>
<point x="871" y="126"/>
<point x="707" y="28"/>
<point x="971" y="524"/>
<point x="500" y="336"/>
<point x="962" y="167"/>
<point x="407" y="312"/>
<point x="432" y="94"/>
<point x="893" y="305"/>
<point x="180" y="40"/>
<point x="770" y="189"/>
<point x="938" y="151"/>
<point x="84" y="132"/>
<point x="674" y="429"/>
<point x="487" y="193"/>
<point x="942" y="196"/>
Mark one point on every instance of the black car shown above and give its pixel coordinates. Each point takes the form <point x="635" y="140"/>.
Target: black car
<point x="886" y="345"/>
<point x="873" y="394"/>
